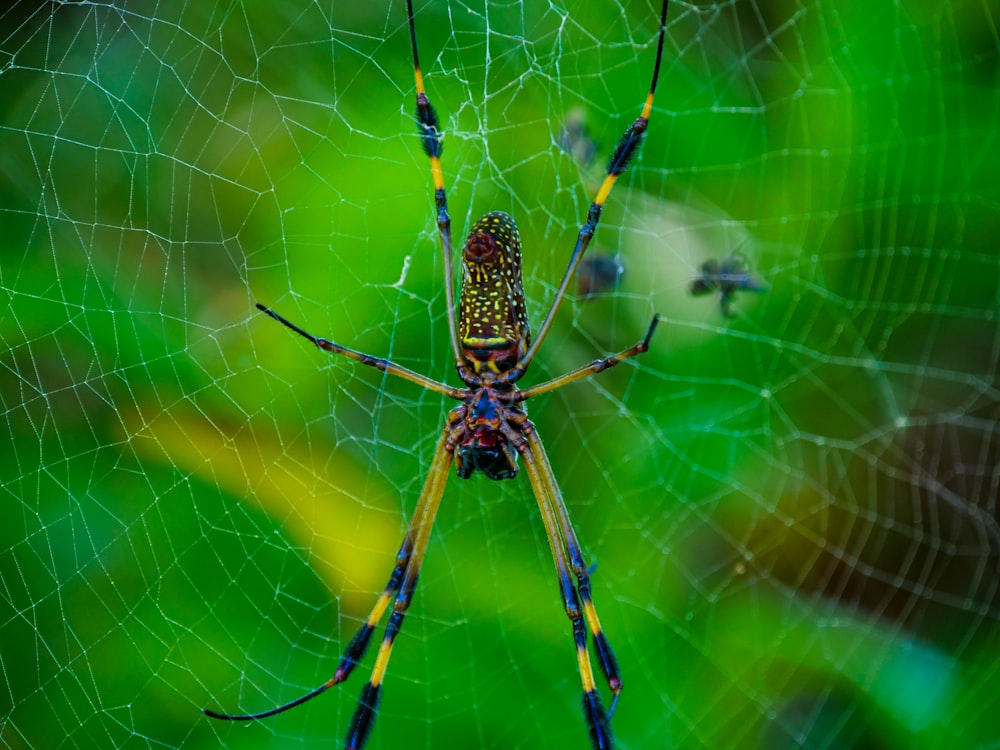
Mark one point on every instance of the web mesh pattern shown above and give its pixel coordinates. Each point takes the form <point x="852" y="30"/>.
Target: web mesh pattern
<point x="792" y="510"/>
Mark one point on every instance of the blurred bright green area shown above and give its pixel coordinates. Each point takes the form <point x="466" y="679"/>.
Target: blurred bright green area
<point x="793" y="510"/>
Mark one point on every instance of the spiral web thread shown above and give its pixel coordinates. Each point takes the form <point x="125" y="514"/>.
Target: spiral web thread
<point x="792" y="510"/>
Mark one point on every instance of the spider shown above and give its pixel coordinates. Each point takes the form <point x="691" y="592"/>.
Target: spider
<point x="489" y="429"/>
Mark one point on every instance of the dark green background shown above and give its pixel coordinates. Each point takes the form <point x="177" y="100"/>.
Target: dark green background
<point x="794" y="511"/>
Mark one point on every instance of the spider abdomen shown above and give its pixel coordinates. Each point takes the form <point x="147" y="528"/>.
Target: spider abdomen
<point x="493" y="319"/>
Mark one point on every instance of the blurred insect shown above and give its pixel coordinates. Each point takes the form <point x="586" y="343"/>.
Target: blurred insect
<point x="598" y="274"/>
<point x="726" y="278"/>
<point x="489" y="429"/>
<point x="575" y="137"/>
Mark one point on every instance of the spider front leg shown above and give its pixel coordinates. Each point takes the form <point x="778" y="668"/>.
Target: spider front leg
<point x="606" y="655"/>
<point x="399" y="590"/>
<point x="574" y="585"/>
<point x="355" y="650"/>
<point x="430" y="498"/>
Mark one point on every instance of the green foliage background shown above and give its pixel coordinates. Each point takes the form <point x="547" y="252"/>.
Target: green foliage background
<point x="794" y="511"/>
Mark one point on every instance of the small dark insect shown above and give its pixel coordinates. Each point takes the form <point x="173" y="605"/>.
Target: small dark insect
<point x="725" y="278"/>
<point x="489" y="430"/>
<point x="598" y="274"/>
<point x="575" y="138"/>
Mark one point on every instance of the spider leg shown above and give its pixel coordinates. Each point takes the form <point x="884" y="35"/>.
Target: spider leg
<point x="574" y="586"/>
<point x="420" y="532"/>
<point x="384" y="365"/>
<point x="432" y="143"/>
<point x="401" y="586"/>
<point x="355" y="649"/>
<point x="625" y="151"/>
<point x="593" y="368"/>
<point x="606" y="655"/>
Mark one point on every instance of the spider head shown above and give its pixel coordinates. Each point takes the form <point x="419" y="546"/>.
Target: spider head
<point x="484" y="447"/>
<point x="493" y="320"/>
<point x="493" y="462"/>
<point x="487" y="451"/>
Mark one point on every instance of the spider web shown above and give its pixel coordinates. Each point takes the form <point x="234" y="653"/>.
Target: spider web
<point x="793" y="510"/>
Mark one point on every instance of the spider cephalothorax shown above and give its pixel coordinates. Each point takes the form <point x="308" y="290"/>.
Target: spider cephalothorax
<point x="489" y="429"/>
<point x="483" y="425"/>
